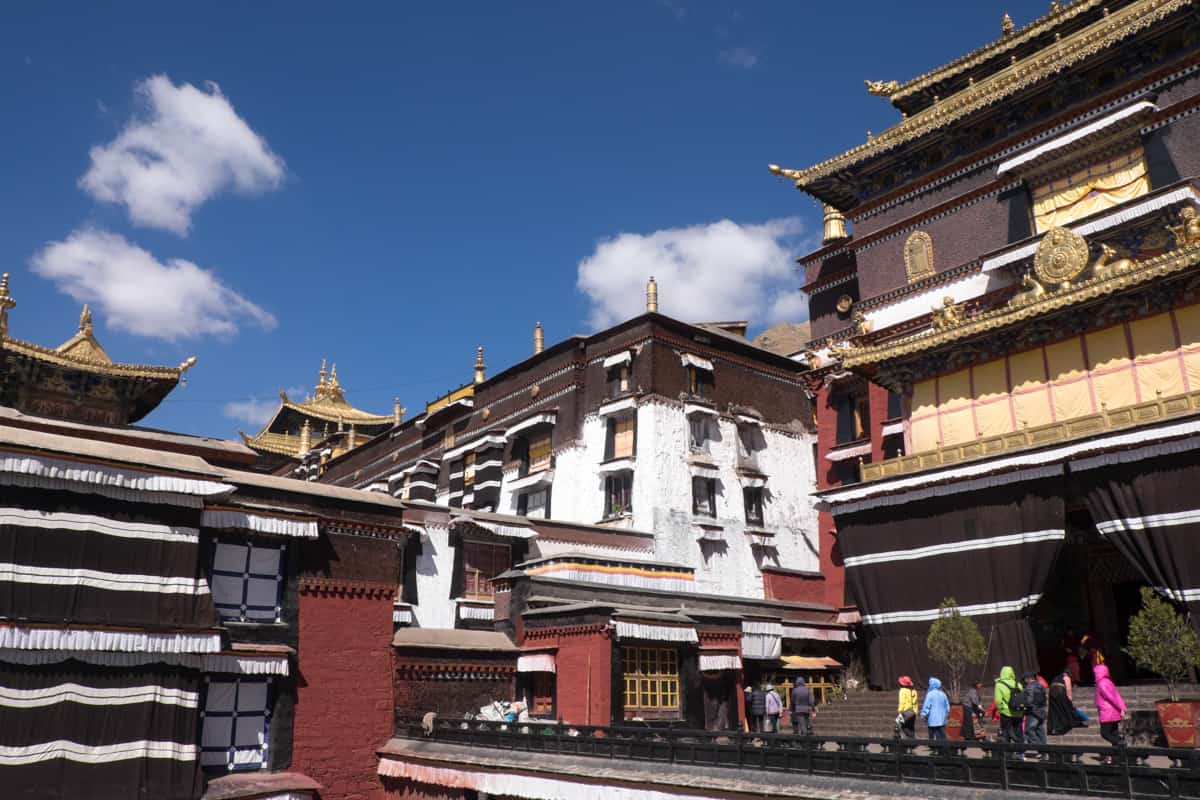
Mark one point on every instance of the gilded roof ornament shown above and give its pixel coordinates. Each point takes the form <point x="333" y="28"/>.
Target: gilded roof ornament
<point x="1187" y="232"/>
<point x="947" y="315"/>
<point x="1061" y="257"/>
<point x="1007" y="28"/>
<point x="85" y="320"/>
<point x="6" y="304"/>
<point x="882" y="88"/>
<point x="480" y="375"/>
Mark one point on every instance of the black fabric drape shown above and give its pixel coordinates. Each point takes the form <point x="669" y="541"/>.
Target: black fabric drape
<point x="897" y="589"/>
<point x="1150" y="511"/>
<point x="96" y="724"/>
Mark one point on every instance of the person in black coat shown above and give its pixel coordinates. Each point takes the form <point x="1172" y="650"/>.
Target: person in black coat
<point x="758" y="708"/>
<point x="1063" y="716"/>
<point x="802" y="709"/>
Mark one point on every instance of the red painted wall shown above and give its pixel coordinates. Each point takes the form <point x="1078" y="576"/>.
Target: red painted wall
<point x="344" y="702"/>
<point x="584" y="677"/>
<point x="830" y="556"/>
<point x="793" y="586"/>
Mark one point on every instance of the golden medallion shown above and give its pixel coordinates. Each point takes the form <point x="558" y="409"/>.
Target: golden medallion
<point x="843" y="304"/>
<point x="1061" y="257"/>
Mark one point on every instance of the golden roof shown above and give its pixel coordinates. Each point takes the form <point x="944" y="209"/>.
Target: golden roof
<point x="1057" y="16"/>
<point x="82" y="351"/>
<point x="328" y="404"/>
<point x="1051" y="60"/>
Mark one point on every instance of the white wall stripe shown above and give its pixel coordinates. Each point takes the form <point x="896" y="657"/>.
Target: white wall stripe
<point x="88" y="523"/>
<point x="95" y="754"/>
<point x="96" y="696"/>
<point x="1131" y="524"/>
<point x="212" y="662"/>
<point x="977" y="610"/>
<point x="950" y="548"/>
<point x="96" y="579"/>
<point x="21" y="637"/>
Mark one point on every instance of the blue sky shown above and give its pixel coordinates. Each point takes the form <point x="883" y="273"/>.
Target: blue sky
<point x="390" y="185"/>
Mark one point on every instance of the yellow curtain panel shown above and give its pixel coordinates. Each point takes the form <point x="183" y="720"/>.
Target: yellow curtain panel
<point x="1089" y="190"/>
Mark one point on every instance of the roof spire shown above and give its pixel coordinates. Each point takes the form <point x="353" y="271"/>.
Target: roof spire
<point x="85" y="320"/>
<point x="323" y="373"/>
<point x="397" y="411"/>
<point x="6" y="303"/>
<point x="305" y="438"/>
<point x="835" y="226"/>
<point x="480" y="376"/>
<point x="652" y="295"/>
<point x="1007" y="28"/>
<point x="539" y="338"/>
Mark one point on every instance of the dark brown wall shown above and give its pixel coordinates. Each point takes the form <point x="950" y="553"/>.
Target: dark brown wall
<point x="353" y="558"/>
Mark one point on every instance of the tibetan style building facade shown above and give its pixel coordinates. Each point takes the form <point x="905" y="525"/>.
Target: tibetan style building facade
<point x="173" y="624"/>
<point x="1006" y="352"/>
<point x="629" y="511"/>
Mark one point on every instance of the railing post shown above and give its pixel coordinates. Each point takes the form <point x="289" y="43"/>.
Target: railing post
<point x="1004" y="766"/>
<point x="1125" y="768"/>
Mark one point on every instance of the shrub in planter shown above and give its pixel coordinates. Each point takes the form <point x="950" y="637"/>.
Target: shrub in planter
<point x="955" y="641"/>
<point x="1162" y="641"/>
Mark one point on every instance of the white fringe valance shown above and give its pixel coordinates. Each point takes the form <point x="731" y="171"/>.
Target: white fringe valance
<point x="510" y="783"/>
<point x="403" y="616"/>
<point x="498" y="528"/>
<point x="768" y="628"/>
<point x="111" y="492"/>
<point x="1139" y="453"/>
<point x="875" y="496"/>
<point x="752" y="481"/>
<point x="717" y="662"/>
<point x="227" y="663"/>
<point x="628" y="580"/>
<point x="1075" y="136"/>
<point x="545" y="418"/>
<point x="617" y="407"/>
<point x="485" y="613"/>
<point x="891" y="428"/>
<point x="697" y="408"/>
<point x="623" y="357"/>
<point x="817" y="634"/>
<point x="259" y="523"/>
<point x="846" y="453"/>
<point x="655" y="633"/>
<point x="20" y="637"/>
<point x="57" y="469"/>
<point x="536" y="662"/>
<point x="690" y="360"/>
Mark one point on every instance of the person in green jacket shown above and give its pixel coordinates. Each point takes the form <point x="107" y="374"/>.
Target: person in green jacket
<point x="1010" y="721"/>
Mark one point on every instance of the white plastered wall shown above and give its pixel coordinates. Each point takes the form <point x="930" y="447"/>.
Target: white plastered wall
<point x="434" y="608"/>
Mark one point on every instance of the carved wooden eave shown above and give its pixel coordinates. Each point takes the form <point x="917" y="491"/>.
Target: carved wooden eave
<point x="909" y="93"/>
<point x="1107" y="32"/>
<point x="892" y="362"/>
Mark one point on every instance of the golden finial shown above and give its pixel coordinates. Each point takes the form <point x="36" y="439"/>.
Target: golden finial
<point x="1055" y="7"/>
<point x="835" y="226"/>
<point x="352" y="441"/>
<point x="480" y="376"/>
<point x="6" y="303"/>
<point x="85" y="320"/>
<point x="539" y="338"/>
<point x="305" y="437"/>
<point x="652" y="295"/>
<point x="333" y="381"/>
<point x="187" y="364"/>
<point x="397" y="411"/>
<point x="870" y="136"/>
<point x="323" y="373"/>
<point x="1006" y="26"/>
<point x="882" y="88"/>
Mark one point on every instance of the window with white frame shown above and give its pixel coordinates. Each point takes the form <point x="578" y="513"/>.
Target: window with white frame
<point x="247" y="580"/>
<point x="616" y="381"/>
<point x="753" y="497"/>
<point x="236" y="722"/>
<point x="534" y="504"/>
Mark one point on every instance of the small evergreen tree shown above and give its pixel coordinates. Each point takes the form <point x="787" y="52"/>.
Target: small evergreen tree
<point x="955" y="640"/>
<point x="1162" y="641"/>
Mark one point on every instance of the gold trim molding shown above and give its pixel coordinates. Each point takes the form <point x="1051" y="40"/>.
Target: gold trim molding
<point x="1052" y="433"/>
<point x="1056" y="57"/>
<point x="1141" y="272"/>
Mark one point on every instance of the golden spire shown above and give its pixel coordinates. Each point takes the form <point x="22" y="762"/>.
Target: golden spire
<point x="305" y="438"/>
<point x="835" y="226"/>
<point x="1007" y="28"/>
<point x="333" y="381"/>
<point x="480" y="376"/>
<point x="539" y="338"/>
<point x="652" y="295"/>
<point x="397" y="411"/>
<point x="322" y="374"/>
<point x="6" y="303"/>
<point x="85" y="320"/>
<point x="352" y="441"/>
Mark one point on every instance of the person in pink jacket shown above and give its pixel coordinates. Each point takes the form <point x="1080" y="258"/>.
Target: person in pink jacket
<point x="1110" y="706"/>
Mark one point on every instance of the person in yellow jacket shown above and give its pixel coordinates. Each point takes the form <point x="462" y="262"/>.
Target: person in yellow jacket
<point x="907" y="709"/>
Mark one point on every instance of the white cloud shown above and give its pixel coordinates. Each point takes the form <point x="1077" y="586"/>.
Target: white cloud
<point x="741" y="57"/>
<point x="788" y="306"/>
<point x="188" y="146"/>
<point x="256" y="411"/>
<point x="719" y="271"/>
<point x="138" y="293"/>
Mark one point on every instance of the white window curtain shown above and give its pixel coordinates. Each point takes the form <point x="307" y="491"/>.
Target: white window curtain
<point x="246" y="581"/>
<point x="236" y="724"/>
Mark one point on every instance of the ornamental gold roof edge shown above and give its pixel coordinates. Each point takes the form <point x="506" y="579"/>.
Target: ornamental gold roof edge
<point x="1082" y="44"/>
<point x="48" y="354"/>
<point x="1046" y="22"/>
<point x="1160" y="266"/>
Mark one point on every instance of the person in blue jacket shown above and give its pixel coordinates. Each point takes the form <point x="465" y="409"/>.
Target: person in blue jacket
<point x="935" y="710"/>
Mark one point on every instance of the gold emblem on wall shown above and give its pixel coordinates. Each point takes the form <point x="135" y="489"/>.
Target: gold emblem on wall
<point x="1061" y="257"/>
<point x="844" y="303"/>
<point x="918" y="256"/>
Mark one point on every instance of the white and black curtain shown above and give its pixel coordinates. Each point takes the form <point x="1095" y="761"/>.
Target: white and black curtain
<point x="73" y="729"/>
<point x="990" y="549"/>
<point x="1150" y="511"/>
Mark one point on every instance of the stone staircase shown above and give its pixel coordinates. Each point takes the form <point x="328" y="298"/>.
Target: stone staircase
<point x="871" y="713"/>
